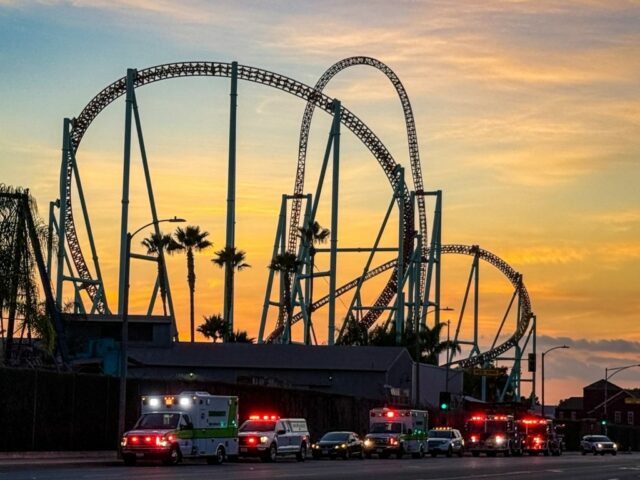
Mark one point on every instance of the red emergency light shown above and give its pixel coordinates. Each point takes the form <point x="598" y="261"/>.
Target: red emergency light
<point x="252" y="440"/>
<point x="474" y="438"/>
<point x="263" y="417"/>
<point x="537" y="440"/>
<point x="135" y="440"/>
<point x="391" y="414"/>
<point x="477" y="418"/>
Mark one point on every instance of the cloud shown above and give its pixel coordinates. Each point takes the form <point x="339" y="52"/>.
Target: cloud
<point x="608" y="346"/>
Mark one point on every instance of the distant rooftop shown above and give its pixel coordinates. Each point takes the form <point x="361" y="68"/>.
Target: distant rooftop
<point x="269" y="356"/>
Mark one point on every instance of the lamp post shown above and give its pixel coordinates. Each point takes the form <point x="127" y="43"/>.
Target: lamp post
<point x="543" y="354"/>
<point x="124" y="343"/>
<point x="606" y="390"/>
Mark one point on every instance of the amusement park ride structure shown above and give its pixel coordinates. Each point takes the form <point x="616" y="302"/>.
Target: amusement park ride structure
<point x="412" y="290"/>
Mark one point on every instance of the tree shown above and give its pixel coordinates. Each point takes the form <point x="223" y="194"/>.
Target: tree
<point x="312" y="236"/>
<point x="286" y="264"/>
<point x="187" y="240"/>
<point x="232" y="260"/>
<point x="156" y="244"/>
<point x="355" y="333"/>
<point x="214" y="327"/>
<point x="239" y="336"/>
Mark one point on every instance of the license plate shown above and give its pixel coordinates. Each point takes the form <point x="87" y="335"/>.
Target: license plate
<point x="139" y="454"/>
<point x="379" y="450"/>
<point x="325" y="450"/>
<point x="244" y="449"/>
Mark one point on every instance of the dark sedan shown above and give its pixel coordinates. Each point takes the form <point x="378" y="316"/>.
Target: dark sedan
<point x="338" y="444"/>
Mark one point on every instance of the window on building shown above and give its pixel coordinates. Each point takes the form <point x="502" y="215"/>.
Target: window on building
<point x="573" y="415"/>
<point x="561" y="415"/>
<point x="617" y="417"/>
<point x="630" y="418"/>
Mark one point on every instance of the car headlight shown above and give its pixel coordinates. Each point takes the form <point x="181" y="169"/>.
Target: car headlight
<point x="599" y="445"/>
<point x="344" y="445"/>
<point x="264" y="439"/>
<point x="499" y="440"/>
<point x="367" y="442"/>
<point x="615" y="446"/>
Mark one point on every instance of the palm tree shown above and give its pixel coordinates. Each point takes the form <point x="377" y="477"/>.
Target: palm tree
<point x="187" y="240"/>
<point x="232" y="260"/>
<point x="156" y="244"/>
<point x="311" y="236"/>
<point x="286" y="264"/>
<point x="430" y="345"/>
<point x="214" y="327"/>
<point x="355" y="333"/>
<point x="239" y="336"/>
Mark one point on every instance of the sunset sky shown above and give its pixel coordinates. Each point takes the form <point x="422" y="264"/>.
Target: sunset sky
<point x="528" y="119"/>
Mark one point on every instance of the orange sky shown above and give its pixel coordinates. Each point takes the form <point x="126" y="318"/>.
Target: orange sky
<point x="528" y="116"/>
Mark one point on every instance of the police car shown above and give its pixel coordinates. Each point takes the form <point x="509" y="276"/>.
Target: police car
<point x="189" y="425"/>
<point x="269" y="436"/>
<point x="446" y="441"/>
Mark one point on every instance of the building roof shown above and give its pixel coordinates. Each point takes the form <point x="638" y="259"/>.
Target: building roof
<point x="270" y="356"/>
<point x="571" y="403"/>
<point x="599" y="385"/>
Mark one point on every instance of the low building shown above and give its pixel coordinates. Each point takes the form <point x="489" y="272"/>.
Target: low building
<point x="382" y="373"/>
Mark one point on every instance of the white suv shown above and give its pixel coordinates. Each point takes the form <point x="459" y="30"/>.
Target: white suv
<point x="445" y="440"/>
<point x="267" y="437"/>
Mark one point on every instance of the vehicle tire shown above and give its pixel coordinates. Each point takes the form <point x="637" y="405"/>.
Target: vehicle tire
<point x="174" y="456"/>
<point x="368" y="455"/>
<point x="461" y="452"/>
<point x="546" y="452"/>
<point x="271" y="454"/>
<point x="302" y="454"/>
<point x="419" y="453"/>
<point x="584" y="452"/>
<point x="383" y="455"/>
<point x="475" y="454"/>
<point x="434" y="454"/>
<point x="449" y="452"/>
<point x="492" y="454"/>
<point x="507" y="452"/>
<point x="400" y="453"/>
<point x="316" y="456"/>
<point x="129" y="460"/>
<point x="361" y="455"/>
<point x="614" y="453"/>
<point x="595" y="452"/>
<point x="346" y="455"/>
<point x="218" y="458"/>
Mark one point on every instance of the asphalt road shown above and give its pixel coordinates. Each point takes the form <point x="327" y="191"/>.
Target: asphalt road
<point x="523" y="468"/>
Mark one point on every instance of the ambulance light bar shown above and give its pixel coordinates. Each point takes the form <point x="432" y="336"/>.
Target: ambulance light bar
<point x="264" y="417"/>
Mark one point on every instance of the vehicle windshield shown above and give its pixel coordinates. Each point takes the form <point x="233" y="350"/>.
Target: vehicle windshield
<point x="152" y="421"/>
<point x="536" y="429"/>
<point x="440" y="433"/>
<point x="386" y="428"/>
<point x="598" y="438"/>
<point x="257" y="426"/>
<point x="496" y="427"/>
<point x="335" y="437"/>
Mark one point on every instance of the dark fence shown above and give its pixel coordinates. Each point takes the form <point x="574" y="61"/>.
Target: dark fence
<point x="43" y="410"/>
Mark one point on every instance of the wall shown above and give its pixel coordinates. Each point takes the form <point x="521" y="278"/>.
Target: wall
<point x="44" y="410"/>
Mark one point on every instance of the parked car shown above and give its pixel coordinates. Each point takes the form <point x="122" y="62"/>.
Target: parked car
<point x="338" y="444"/>
<point x="446" y="441"/>
<point x="598" y="444"/>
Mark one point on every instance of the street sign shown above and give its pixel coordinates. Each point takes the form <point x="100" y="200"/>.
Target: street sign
<point x="632" y="401"/>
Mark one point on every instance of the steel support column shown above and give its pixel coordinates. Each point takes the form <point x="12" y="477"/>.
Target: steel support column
<point x="333" y="264"/>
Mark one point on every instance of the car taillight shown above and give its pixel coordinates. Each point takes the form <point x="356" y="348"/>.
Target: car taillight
<point x="393" y="441"/>
<point x="123" y="442"/>
<point x="474" y="438"/>
<point x="252" y="440"/>
<point x="135" y="440"/>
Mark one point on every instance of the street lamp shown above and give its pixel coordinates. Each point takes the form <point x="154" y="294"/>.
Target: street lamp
<point x="124" y="342"/>
<point x="543" y="354"/>
<point x="606" y="384"/>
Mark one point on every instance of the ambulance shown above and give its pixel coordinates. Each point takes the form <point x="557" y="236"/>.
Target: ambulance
<point x="396" y="432"/>
<point x="189" y="425"/>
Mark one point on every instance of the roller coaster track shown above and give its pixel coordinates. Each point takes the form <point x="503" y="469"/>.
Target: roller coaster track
<point x="251" y="74"/>
<point x="472" y="250"/>
<point x="412" y="137"/>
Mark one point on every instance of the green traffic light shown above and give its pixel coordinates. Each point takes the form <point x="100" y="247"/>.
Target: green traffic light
<point x="603" y="422"/>
<point x="444" y="406"/>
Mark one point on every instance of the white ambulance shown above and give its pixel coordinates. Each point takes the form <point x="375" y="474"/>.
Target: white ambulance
<point x="189" y="425"/>
<point x="396" y="431"/>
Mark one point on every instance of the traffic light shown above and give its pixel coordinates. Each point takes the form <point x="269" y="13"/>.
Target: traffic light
<point x="532" y="362"/>
<point x="603" y="422"/>
<point x="445" y="400"/>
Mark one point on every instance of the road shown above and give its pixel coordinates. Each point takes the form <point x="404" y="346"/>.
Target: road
<point x="524" y="468"/>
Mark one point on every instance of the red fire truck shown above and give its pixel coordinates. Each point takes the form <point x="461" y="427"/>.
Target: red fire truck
<point x="538" y="435"/>
<point x="491" y="434"/>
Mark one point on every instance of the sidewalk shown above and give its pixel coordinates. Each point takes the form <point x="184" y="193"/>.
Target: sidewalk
<point x="25" y="458"/>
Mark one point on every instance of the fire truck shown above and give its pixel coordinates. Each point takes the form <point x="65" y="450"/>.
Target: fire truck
<point x="397" y="432"/>
<point x="188" y="425"/>
<point x="491" y="434"/>
<point x="537" y="435"/>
